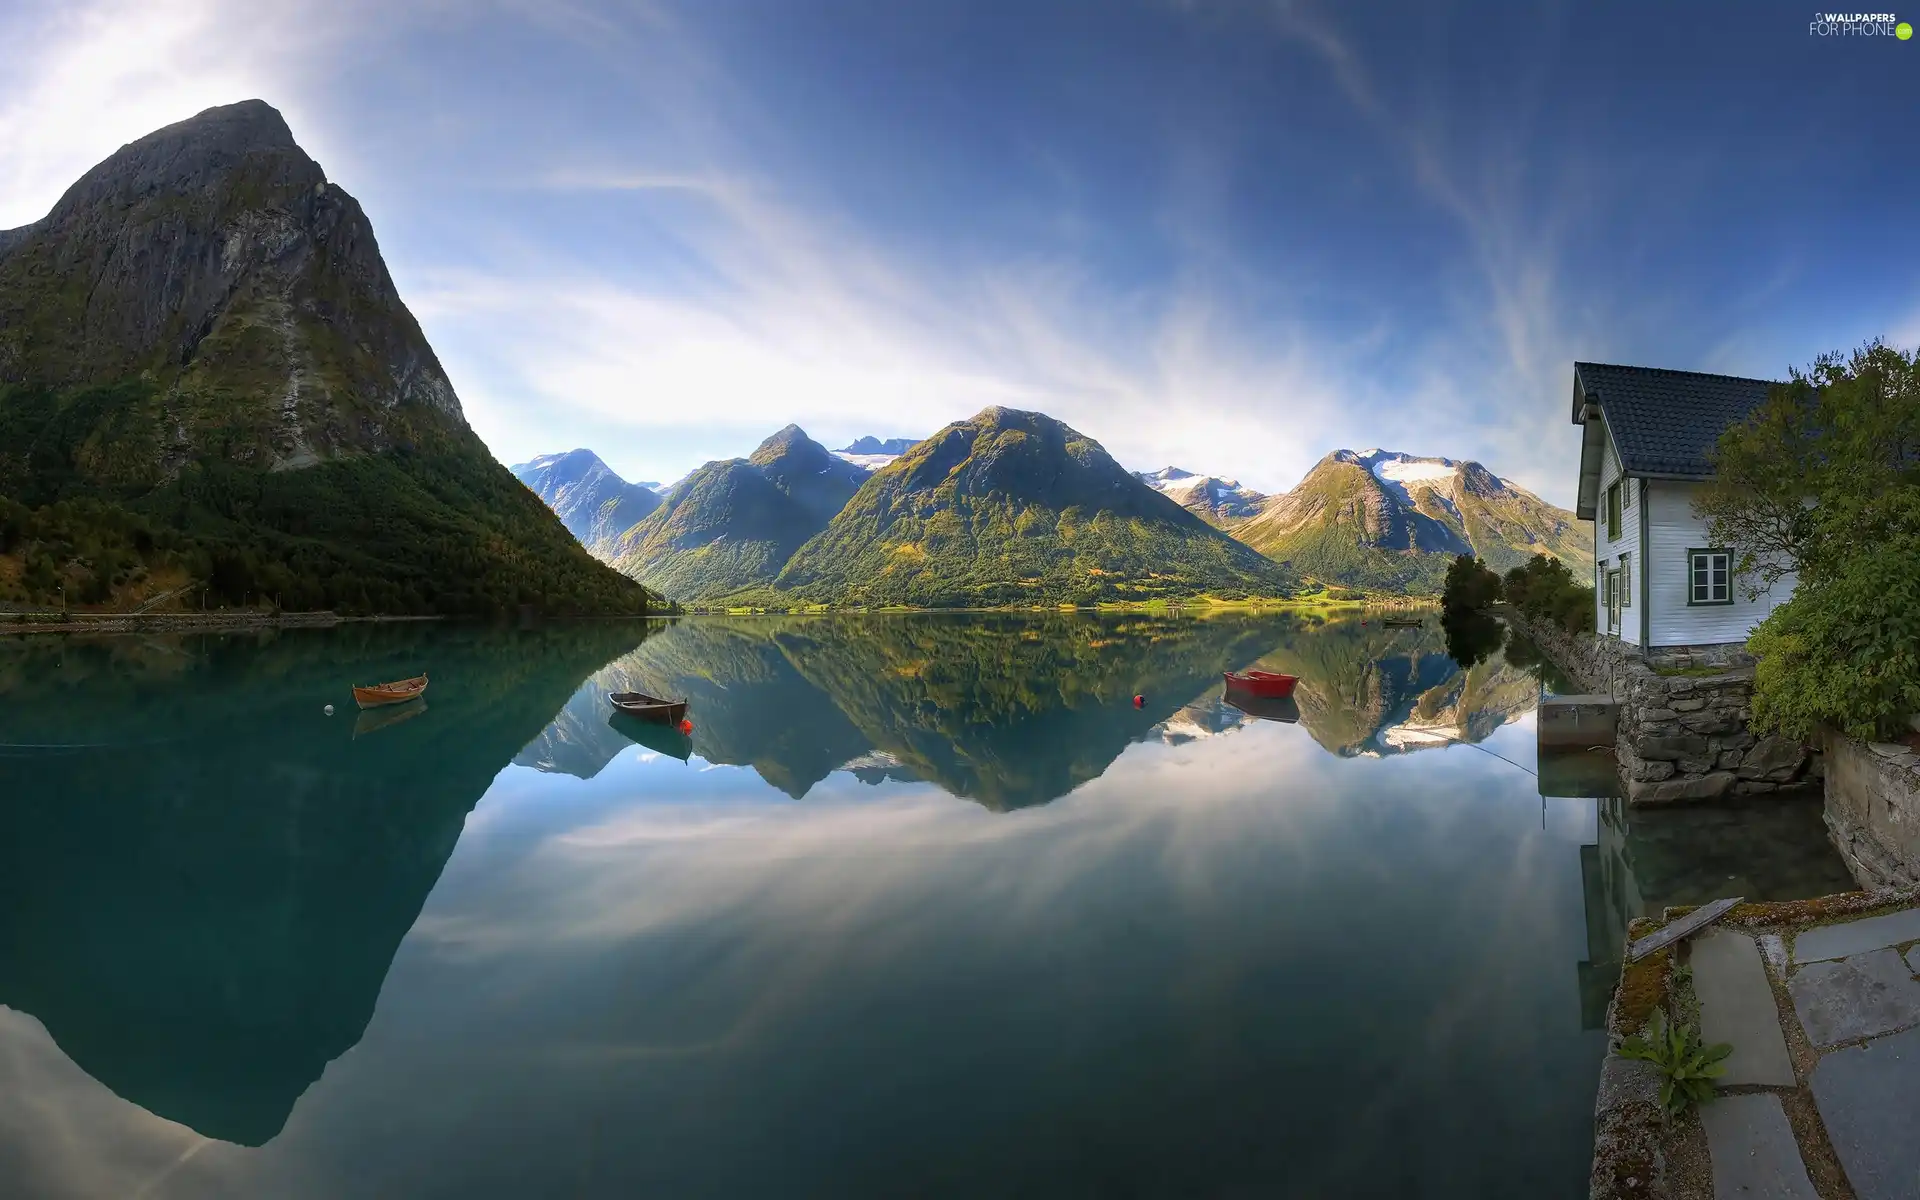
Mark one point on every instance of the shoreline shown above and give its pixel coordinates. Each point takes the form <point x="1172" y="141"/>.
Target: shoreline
<point x="185" y="622"/>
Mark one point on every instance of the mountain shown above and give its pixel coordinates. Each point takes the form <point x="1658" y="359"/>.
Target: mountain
<point x="1015" y="507"/>
<point x="594" y="504"/>
<point x="240" y="908"/>
<point x="201" y="346"/>
<point x="821" y="483"/>
<point x="1219" y="502"/>
<point x="873" y="453"/>
<point x="1391" y="521"/>
<point x="733" y="523"/>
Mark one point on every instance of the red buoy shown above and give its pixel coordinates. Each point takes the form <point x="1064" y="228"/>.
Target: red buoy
<point x="686" y="726"/>
<point x="1138" y="701"/>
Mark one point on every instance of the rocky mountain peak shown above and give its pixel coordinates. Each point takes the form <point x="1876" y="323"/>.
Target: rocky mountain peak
<point x="213" y="259"/>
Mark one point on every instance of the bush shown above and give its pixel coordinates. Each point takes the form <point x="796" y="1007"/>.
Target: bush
<point x="1545" y="589"/>
<point x="1844" y="652"/>
<point x="1471" y="585"/>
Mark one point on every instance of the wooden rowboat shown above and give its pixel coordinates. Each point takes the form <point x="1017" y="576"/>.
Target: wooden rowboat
<point x="649" y="708"/>
<point x="398" y="692"/>
<point x="1261" y="683"/>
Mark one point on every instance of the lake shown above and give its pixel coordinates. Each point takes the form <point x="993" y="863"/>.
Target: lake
<point x="925" y="905"/>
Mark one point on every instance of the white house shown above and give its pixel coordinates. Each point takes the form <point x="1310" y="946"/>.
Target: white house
<point x="1658" y="579"/>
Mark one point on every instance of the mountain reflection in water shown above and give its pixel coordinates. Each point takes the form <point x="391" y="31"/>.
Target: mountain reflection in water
<point x="250" y="950"/>
<point x="1012" y="711"/>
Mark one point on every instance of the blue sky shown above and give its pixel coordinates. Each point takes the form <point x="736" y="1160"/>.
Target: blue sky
<point x="1224" y="234"/>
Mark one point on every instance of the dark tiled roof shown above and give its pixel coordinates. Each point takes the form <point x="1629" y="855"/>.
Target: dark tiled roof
<point x="1665" y="422"/>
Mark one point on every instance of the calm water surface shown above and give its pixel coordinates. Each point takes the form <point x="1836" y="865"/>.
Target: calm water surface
<point x="924" y="907"/>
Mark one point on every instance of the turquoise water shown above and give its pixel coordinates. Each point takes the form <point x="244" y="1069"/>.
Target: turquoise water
<point x="925" y="905"/>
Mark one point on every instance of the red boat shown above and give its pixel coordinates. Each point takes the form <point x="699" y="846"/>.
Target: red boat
<point x="1261" y="683"/>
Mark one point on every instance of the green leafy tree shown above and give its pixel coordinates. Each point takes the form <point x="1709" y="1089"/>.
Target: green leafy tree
<point x="1470" y="585"/>
<point x="1823" y="481"/>
<point x="1544" y="588"/>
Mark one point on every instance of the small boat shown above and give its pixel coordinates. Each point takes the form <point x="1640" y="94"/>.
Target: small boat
<point x="398" y="692"/>
<point x="656" y="736"/>
<point x="649" y="708"/>
<point x="1267" y="708"/>
<point x="1260" y="683"/>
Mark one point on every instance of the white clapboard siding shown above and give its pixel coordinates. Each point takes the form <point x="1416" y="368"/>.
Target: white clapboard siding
<point x="1607" y="552"/>
<point x="1672" y="530"/>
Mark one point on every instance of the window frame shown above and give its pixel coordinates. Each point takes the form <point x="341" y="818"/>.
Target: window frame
<point x="1613" y="511"/>
<point x="1626" y="492"/>
<point x="1694" y="552"/>
<point x="1626" y="579"/>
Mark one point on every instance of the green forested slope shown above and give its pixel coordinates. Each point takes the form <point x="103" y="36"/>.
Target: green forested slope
<point x="1014" y="508"/>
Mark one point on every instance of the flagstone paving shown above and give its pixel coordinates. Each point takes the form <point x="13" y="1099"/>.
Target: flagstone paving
<point x="1869" y="1100"/>
<point x="1855" y="937"/>
<point x="1736" y="1007"/>
<point x="1858" y="997"/>
<point x="1855" y="997"/>
<point x="1753" y="1150"/>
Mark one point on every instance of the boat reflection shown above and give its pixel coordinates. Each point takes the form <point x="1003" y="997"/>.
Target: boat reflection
<point x="1267" y="708"/>
<point x="373" y="720"/>
<point x="656" y="736"/>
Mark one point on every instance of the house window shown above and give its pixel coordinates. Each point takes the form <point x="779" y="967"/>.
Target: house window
<point x="1626" y="581"/>
<point x="1709" y="577"/>
<point x="1613" y="510"/>
<point x="1626" y="493"/>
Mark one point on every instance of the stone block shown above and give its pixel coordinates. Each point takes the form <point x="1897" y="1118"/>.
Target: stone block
<point x="1752" y="1149"/>
<point x="1739" y="740"/>
<point x="1689" y="704"/>
<point x="1670" y="748"/>
<point x="1770" y="754"/>
<point x="1754" y="787"/>
<point x="1648" y="771"/>
<point x="1736" y="1007"/>
<point x="1679" y="687"/>
<point x="1858" y="997"/>
<point x="1625" y="1081"/>
<point x="1711" y="722"/>
<point x="1728" y="759"/>
<point x="1854" y="937"/>
<point x="1867" y="1096"/>
<point x="1712" y="786"/>
<point x="1693" y="766"/>
<point x="1657" y="716"/>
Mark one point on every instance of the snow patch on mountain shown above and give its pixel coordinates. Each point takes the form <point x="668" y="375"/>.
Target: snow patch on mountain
<point x="1221" y="497"/>
<point x="870" y="462"/>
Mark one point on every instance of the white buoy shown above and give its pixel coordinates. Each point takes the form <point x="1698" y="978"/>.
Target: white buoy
<point x="329" y="710"/>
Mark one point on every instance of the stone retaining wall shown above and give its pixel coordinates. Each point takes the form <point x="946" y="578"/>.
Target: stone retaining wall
<point x="1873" y="811"/>
<point x="1681" y="737"/>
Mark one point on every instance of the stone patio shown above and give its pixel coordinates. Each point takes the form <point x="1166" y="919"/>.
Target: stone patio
<point x="1821" y="1004"/>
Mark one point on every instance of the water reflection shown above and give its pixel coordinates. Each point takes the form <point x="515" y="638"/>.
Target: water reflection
<point x="1014" y="711"/>
<point x="1643" y="860"/>
<point x="203" y="878"/>
<point x="1181" y="947"/>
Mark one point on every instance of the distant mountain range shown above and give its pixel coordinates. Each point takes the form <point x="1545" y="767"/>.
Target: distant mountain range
<point x="594" y="504"/>
<point x="734" y="523"/>
<point x="1222" y="503"/>
<point x="1013" y="508"/>
<point x="1381" y="519"/>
